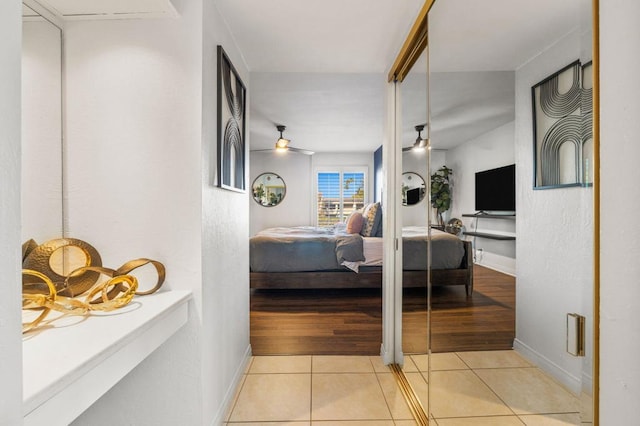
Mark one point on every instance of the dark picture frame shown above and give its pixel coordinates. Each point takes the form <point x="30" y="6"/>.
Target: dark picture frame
<point x="562" y="107"/>
<point x="231" y="149"/>
<point x="558" y="127"/>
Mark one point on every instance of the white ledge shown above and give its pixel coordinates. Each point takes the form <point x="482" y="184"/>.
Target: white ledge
<point x="68" y="366"/>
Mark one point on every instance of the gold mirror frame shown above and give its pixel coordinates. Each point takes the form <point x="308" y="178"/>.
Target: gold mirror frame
<point x="413" y="46"/>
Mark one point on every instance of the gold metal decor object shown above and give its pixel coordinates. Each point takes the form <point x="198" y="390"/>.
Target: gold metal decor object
<point x="37" y="301"/>
<point x="45" y="290"/>
<point x="38" y="259"/>
<point x="128" y="267"/>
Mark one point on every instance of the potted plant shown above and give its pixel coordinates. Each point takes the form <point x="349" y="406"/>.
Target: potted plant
<point x="441" y="191"/>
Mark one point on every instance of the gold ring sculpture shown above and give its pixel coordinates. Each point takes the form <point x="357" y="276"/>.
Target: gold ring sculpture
<point x="44" y="290"/>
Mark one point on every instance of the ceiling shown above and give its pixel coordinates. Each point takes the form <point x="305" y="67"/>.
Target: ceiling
<point x="319" y="66"/>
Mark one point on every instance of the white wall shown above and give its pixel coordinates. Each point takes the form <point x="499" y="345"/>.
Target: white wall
<point x="41" y="131"/>
<point x="225" y="243"/>
<point x="133" y="94"/>
<point x="487" y="151"/>
<point x="298" y="172"/>
<point x="620" y="233"/>
<point x="141" y="120"/>
<point x="295" y="209"/>
<point x="10" y="322"/>
<point x="554" y="237"/>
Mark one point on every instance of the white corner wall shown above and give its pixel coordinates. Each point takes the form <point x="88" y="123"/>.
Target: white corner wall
<point x="10" y="318"/>
<point x="495" y="148"/>
<point x="619" y="232"/>
<point x="41" y="131"/>
<point x="141" y="119"/>
<point x="554" y="238"/>
<point x="225" y="242"/>
<point x="133" y="120"/>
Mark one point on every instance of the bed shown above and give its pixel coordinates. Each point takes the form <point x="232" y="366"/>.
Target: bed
<point x="307" y="257"/>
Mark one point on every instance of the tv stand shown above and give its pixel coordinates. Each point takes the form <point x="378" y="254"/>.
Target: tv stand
<point x="491" y="236"/>
<point x="491" y="215"/>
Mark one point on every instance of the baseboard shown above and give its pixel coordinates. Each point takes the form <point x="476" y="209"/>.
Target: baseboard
<point x="571" y="382"/>
<point x="387" y="357"/>
<point x="227" y="402"/>
<point x="506" y="265"/>
<point x="587" y="384"/>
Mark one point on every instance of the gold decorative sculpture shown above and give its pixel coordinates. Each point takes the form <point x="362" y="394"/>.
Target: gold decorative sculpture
<point x="79" y="292"/>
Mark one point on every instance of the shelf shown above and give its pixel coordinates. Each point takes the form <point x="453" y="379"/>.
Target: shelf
<point x="491" y="236"/>
<point x="491" y="216"/>
<point x="68" y="366"/>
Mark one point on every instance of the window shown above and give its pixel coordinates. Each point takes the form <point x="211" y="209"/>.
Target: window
<point x="339" y="193"/>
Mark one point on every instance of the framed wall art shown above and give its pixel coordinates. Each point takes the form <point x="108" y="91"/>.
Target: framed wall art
<point x="587" y="124"/>
<point x="560" y="127"/>
<point x="231" y="126"/>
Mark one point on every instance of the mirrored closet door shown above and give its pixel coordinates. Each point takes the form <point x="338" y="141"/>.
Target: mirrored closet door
<point x="502" y="104"/>
<point x="533" y="273"/>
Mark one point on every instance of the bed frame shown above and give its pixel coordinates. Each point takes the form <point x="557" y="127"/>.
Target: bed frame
<point x="366" y="279"/>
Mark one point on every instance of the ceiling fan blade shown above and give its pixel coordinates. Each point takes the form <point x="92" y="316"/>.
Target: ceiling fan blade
<point x="301" y="151"/>
<point x="407" y="148"/>
<point x="263" y="150"/>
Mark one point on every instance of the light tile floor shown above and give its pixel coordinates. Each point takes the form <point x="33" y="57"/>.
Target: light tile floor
<point x="468" y="388"/>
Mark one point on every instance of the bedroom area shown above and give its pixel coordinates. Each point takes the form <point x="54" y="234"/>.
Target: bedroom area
<point x="509" y="282"/>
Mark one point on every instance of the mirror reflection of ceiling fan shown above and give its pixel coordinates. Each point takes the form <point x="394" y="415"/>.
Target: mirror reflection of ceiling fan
<point x="420" y="143"/>
<point x="282" y="144"/>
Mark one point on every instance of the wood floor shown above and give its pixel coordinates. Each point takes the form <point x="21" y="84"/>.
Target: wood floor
<point x="349" y="322"/>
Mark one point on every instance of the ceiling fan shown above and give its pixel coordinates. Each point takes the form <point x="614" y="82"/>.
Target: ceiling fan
<point x="282" y="144"/>
<point x="420" y="143"/>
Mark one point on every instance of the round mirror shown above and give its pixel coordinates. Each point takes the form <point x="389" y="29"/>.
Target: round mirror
<point x="269" y="189"/>
<point x="413" y="188"/>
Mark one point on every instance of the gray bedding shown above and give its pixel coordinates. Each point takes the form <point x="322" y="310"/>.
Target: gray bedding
<point x="306" y="248"/>
<point x="447" y="250"/>
<point x="303" y="248"/>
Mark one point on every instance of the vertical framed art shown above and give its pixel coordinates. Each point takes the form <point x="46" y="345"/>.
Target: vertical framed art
<point x="231" y="126"/>
<point x="557" y="129"/>
<point x="587" y="124"/>
<point x="563" y="128"/>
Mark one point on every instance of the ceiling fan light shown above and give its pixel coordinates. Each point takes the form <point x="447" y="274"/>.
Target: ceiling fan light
<point x="281" y="148"/>
<point x="282" y="143"/>
<point x="420" y="144"/>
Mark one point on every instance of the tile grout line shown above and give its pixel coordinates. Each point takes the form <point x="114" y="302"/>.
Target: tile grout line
<point x="311" y="390"/>
<point x="384" y="395"/>
<point x="496" y="394"/>
<point x="239" y="391"/>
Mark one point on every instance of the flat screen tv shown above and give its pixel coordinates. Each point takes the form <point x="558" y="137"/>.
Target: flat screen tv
<point x="496" y="189"/>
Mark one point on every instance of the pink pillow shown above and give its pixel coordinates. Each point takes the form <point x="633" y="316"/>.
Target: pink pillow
<point x="354" y="223"/>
